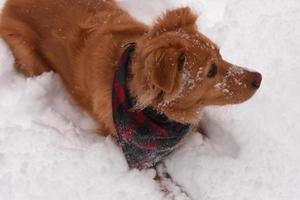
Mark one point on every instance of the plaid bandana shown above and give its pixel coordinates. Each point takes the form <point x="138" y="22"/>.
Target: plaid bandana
<point x="145" y="136"/>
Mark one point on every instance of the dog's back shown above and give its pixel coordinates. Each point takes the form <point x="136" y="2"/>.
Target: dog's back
<point x="46" y="26"/>
<point x="79" y="39"/>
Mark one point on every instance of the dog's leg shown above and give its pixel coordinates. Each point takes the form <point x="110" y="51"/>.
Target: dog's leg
<point x="24" y="45"/>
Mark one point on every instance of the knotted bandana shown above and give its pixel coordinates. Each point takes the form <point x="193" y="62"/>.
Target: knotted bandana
<point x="145" y="136"/>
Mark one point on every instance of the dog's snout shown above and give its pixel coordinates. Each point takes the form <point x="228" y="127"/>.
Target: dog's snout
<point x="256" y="80"/>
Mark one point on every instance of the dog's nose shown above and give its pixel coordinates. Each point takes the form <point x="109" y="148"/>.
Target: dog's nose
<point x="256" y="80"/>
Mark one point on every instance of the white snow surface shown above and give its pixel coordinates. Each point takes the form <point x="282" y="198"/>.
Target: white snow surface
<point x="49" y="148"/>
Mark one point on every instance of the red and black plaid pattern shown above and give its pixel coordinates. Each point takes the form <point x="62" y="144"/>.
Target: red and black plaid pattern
<point x="146" y="136"/>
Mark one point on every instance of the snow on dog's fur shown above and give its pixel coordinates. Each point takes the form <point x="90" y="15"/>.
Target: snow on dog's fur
<point x="175" y="69"/>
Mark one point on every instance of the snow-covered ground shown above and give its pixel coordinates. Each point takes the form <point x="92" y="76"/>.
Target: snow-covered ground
<point x="49" y="149"/>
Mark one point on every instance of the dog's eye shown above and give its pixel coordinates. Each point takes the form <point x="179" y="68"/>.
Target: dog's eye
<point x="213" y="71"/>
<point x="181" y="61"/>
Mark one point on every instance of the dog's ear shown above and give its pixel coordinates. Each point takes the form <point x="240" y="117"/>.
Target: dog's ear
<point x="164" y="69"/>
<point x="173" y="20"/>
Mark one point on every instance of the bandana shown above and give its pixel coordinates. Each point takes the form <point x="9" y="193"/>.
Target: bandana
<point x="145" y="136"/>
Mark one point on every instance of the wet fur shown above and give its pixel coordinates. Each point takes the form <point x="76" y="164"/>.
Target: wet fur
<point x="82" y="41"/>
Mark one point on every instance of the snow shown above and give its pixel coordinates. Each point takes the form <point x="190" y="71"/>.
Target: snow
<point x="49" y="149"/>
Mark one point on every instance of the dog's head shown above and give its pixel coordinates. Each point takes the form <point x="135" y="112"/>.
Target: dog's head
<point x="178" y="70"/>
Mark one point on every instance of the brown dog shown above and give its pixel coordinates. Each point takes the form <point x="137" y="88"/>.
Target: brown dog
<point x="175" y="69"/>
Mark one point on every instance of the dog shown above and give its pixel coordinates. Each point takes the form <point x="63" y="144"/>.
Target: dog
<point x="172" y="68"/>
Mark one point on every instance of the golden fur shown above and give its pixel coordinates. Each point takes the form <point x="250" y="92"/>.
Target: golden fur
<point x="174" y="65"/>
